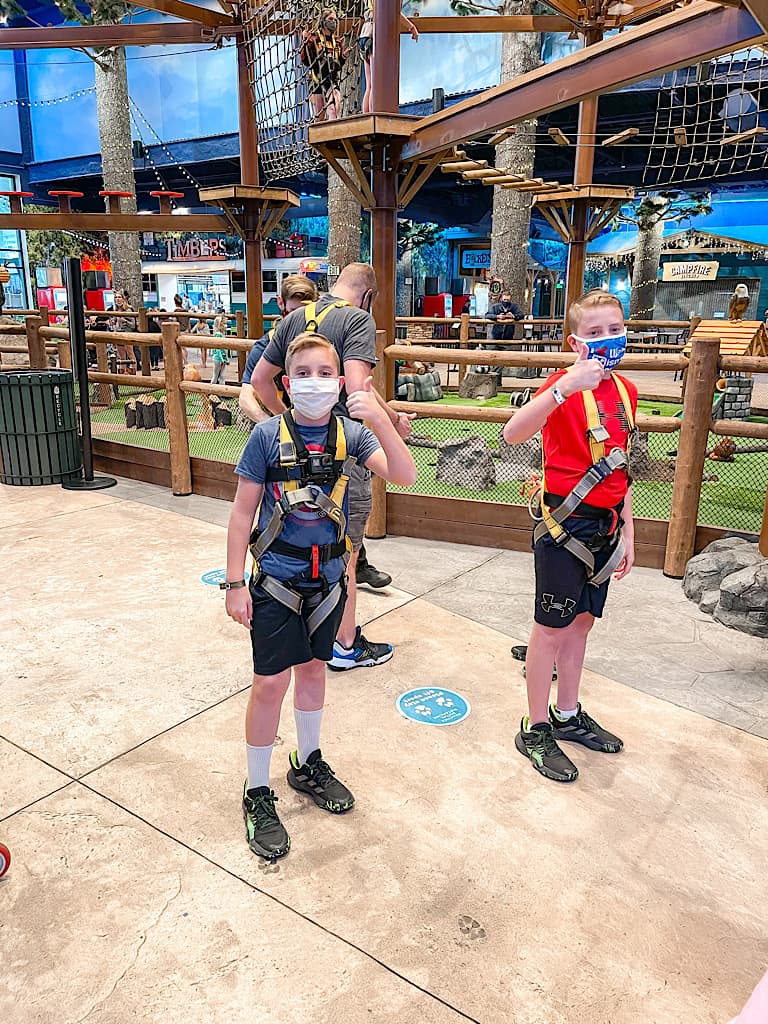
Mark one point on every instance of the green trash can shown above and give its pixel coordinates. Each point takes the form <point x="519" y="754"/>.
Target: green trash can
<point x="38" y="428"/>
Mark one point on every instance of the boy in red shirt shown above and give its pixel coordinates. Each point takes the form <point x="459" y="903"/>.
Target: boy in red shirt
<point x="586" y="415"/>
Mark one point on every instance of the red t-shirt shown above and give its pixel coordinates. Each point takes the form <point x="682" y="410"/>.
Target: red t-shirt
<point x="566" y="447"/>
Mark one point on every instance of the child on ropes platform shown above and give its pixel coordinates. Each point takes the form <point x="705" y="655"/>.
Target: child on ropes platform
<point x="300" y="453"/>
<point x="586" y="415"/>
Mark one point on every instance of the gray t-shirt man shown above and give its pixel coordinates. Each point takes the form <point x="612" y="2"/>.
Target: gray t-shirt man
<point x="351" y="331"/>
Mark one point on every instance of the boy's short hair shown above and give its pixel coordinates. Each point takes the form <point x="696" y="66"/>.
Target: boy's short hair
<point x="298" y="288"/>
<point x="591" y="300"/>
<point x="307" y="340"/>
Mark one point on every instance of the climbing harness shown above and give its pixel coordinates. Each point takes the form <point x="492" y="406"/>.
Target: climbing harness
<point x="313" y="319"/>
<point x="300" y="478"/>
<point x="554" y="510"/>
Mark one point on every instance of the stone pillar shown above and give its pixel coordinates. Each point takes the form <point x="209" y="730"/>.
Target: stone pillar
<point x="737" y="404"/>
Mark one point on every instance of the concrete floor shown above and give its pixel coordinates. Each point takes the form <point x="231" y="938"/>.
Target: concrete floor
<point x="462" y="887"/>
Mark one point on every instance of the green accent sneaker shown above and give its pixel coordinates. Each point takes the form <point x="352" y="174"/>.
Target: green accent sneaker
<point x="264" y="832"/>
<point x="538" y="744"/>
<point x="582" y="728"/>
<point x="316" y="779"/>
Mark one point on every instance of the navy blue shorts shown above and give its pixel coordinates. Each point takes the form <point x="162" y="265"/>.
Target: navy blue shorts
<point x="280" y="638"/>
<point x="562" y="590"/>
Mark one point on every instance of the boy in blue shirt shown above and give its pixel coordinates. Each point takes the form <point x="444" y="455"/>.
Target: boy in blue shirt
<point x="293" y="470"/>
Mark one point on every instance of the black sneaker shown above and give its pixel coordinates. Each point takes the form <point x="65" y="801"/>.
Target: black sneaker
<point x="539" y="746"/>
<point x="369" y="576"/>
<point x="316" y="778"/>
<point x="582" y="728"/>
<point x="362" y="654"/>
<point x="264" y="831"/>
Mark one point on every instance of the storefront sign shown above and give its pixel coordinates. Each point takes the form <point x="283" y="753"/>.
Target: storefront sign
<point x="179" y="251"/>
<point x="473" y="259"/>
<point x="690" y="270"/>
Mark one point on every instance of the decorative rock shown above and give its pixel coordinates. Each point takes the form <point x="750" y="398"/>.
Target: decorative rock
<point x="708" y="601"/>
<point x="743" y="601"/>
<point x="479" y="385"/>
<point x="707" y="570"/>
<point x="466" y="462"/>
<point x="520" y="459"/>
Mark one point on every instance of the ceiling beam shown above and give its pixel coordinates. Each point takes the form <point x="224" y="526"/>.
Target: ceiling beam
<point x="159" y="34"/>
<point x="492" y="23"/>
<point x="190" y="12"/>
<point x="684" y="37"/>
<point x="113" y="222"/>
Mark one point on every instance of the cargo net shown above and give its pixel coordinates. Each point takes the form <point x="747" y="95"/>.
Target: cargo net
<point x="293" y="76"/>
<point x="711" y="121"/>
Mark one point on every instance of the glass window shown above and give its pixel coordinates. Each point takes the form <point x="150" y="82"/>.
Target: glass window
<point x="269" y="281"/>
<point x="11" y="253"/>
<point x="238" y="281"/>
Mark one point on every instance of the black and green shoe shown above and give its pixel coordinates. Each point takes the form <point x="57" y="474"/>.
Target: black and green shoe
<point x="582" y="728"/>
<point x="316" y="779"/>
<point x="264" y="831"/>
<point x="538" y="744"/>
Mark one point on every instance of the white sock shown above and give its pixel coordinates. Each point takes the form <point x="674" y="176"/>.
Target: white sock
<point x="307" y="732"/>
<point x="564" y="715"/>
<point x="258" y="765"/>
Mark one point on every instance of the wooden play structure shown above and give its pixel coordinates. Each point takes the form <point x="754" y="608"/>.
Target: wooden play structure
<point x="737" y="338"/>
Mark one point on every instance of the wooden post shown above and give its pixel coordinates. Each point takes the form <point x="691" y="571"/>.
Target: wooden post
<point x="463" y="339"/>
<point x="692" y="448"/>
<point x="240" y="330"/>
<point x="376" y="528"/>
<point x="44" y="316"/>
<point x="35" y="344"/>
<point x="65" y="355"/>
<point x="176" y="411"/>
<point x="142" y="326"/>
<point x="249" y="172"/>
<point x="103" y="392"/>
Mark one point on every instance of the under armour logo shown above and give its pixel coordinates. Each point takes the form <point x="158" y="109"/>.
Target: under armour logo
<point x="548" y="603"/>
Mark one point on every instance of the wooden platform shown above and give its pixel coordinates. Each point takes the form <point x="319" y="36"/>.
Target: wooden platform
<point x="737" y="338"/>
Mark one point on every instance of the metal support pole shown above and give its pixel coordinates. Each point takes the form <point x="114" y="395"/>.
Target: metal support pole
<point x="75" y="307"/>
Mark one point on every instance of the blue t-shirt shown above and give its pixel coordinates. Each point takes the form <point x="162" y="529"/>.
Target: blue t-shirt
<point x="307" y="526"/>
<point x="254" y="356"/>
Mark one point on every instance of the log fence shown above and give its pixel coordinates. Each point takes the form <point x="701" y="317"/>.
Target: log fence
<point x="668" y="545"/>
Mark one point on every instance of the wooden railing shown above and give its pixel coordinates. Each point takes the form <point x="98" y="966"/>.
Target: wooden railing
<point x="499" y="523"/>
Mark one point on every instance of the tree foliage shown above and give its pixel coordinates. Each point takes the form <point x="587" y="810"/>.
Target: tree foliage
<point x="669" y="207"/>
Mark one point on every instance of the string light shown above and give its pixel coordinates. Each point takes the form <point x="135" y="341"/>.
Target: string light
<point x="52" y="102"/>
<point x="192" y="181"/>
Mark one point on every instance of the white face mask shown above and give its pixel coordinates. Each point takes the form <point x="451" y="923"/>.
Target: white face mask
<point x="314" y="397"/>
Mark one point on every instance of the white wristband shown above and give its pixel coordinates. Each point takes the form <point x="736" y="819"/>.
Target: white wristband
<point x="557" y="394"/>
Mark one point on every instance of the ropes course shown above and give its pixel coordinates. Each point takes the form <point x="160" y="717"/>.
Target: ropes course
<point x="711" y="121"/>
<point x="299" y="75"/>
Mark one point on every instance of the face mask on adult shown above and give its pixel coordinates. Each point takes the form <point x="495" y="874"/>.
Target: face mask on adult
<point x="330" y="24"/>
<point x="608" y="350"/>
<point x="314" y="397"/>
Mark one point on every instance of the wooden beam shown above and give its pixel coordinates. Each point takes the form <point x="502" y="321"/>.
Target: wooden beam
<point x="684" y="37"/>
<point x="498" y="137"/>
<point x="619" y="137"/>
<point x="459" y="166"/>
<point x="156" y="34"/>
<point x="483" y="172"/>
<point x="190" y="12"/>
<point x="731" y="140"/>
<point x="412" y="184"/>
<point x="491" y="23"/>
<point x="112" y="222"/>
<point x="559" y="137"/>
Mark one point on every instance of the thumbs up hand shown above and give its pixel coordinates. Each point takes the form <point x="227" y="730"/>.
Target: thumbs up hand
<point x="583" y="375"/>
<point x="362" y="405"/>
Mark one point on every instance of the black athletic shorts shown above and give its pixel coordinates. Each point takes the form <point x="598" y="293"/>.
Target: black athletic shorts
<point x="280" y="639"/>
<point x="562" y="590"/>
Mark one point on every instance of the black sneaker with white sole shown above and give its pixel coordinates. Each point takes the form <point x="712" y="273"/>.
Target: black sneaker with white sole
<point x="316" y="778"/>
<point x="362" y="654"/>
<point x="582" y="728"/>
<point x="538" y="744"/>
<point x="264" y="832"/>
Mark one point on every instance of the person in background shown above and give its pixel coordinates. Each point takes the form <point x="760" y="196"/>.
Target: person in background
<point x="365" y="43"/>
<point x="203" y="330"/>
<point x="220" y="356"/>
<point x="322" y="52"/>
<point x="117" y="323"/>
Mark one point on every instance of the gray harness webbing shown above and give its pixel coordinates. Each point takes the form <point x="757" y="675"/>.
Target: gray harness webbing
<point x="322" y="604"/>
<point x="617" y="459"/>
<point x="309" y="495"/>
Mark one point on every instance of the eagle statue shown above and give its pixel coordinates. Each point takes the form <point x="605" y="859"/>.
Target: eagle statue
<point x="737" y="307"/>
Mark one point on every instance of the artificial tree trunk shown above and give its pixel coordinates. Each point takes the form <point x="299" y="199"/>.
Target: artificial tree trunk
<point x="117" y="166"/>
<point x="344" y="211"/>
<point x="645" y="274"/>
<point x="520" y="52"/>
<point x="404" y="293"/>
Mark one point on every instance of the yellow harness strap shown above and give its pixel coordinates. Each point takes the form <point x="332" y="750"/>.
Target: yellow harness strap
<point x="596" y="432"/>
<point x="311" y="317"/>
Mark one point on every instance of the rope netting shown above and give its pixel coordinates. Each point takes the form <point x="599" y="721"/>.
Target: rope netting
<point x="300" y="73"/>
<point x="699" y="113"/>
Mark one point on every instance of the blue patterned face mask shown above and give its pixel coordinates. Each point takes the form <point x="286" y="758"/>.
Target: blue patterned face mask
<point x="609" y="350"/>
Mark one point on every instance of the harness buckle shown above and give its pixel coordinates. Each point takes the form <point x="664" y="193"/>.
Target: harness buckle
<point x="599" y="433"/>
